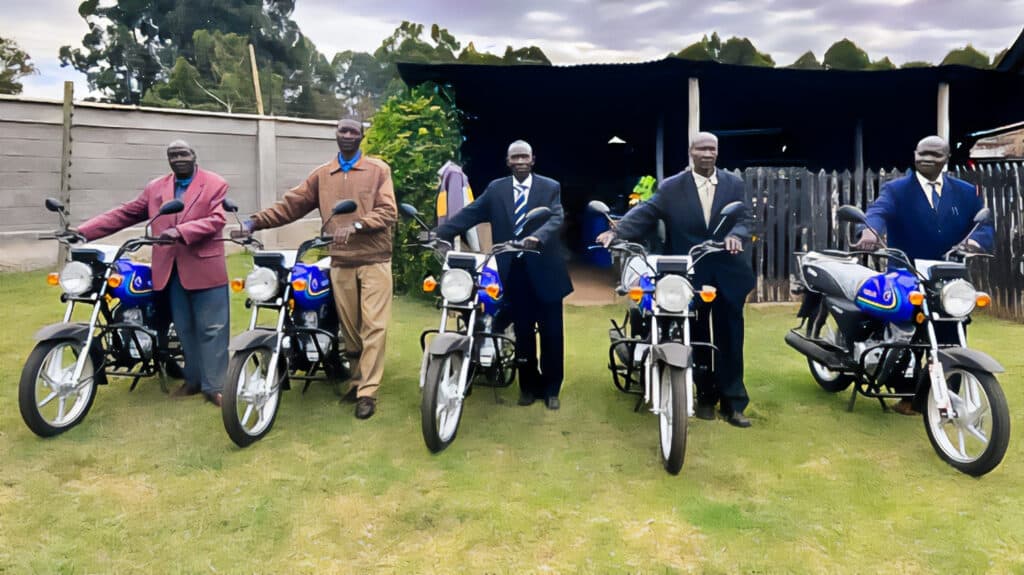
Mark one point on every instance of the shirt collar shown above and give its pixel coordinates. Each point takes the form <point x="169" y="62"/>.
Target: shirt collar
<point x="528" y="182"/>
<point x="345" y="166"/>
<point x="184" y="182"/>
<point x="699" y="179"/>
<point x="926" y="184"/>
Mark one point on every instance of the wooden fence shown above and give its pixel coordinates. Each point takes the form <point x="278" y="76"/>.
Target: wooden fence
<point x="794" y="210"/>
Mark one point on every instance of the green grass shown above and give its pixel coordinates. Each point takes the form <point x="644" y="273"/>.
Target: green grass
<point x="150" y="485"/>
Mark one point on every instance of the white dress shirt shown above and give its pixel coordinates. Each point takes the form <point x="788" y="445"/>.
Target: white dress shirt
<point x="706" y="191"/>
<point x="926" y="185"/>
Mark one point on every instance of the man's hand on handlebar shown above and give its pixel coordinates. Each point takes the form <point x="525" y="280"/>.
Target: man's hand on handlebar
<point x="170" y="235"/>
<point x="868" y="242"/>
<point x="606" y="238"/>
<point x="531" y="243"/>
<point x="733" y="244"/>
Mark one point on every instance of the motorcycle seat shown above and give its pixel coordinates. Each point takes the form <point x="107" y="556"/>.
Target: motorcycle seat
<point x="834" y="275"/>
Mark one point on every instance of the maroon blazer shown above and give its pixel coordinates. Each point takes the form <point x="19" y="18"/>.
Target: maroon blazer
<point x="199" y="255"/>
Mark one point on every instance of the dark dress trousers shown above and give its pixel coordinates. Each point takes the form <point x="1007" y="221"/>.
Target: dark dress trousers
<point x="534" y="284"/>
<point x="677" y="203"/>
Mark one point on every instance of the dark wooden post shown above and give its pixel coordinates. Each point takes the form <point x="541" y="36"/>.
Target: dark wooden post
<point x="65" y="161"/>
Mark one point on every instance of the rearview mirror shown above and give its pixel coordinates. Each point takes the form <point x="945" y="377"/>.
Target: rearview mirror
<point x="599" y="207"/>
<point x="344" y="207"/>
<point x="229" y="205"/>
<point x="983" y="216"/>
<point x="172" y="207"/>
<point x="408" y="210"/>
<point x="54" y="205"/>
<point x="851" y="214"/>
<point x="732" y="209"/>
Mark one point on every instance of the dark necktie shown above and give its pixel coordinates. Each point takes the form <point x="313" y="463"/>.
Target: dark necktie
<point x="520" y="208"/>
<point x="935" y="197"/>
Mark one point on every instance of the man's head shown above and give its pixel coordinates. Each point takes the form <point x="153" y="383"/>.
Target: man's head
<point x="931" y="156"/>
<point x="349" y="136"/>
<point x="182" y="158"/>
<point x="704" y="153"/>
<point x="520" y="159"/>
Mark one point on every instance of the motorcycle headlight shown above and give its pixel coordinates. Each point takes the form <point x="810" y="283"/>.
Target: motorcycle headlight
<point x="457" y="286"/>
<point x="261" y="284"/>
<point x="673" y="293"/>
<point x="958" y="298"/>
<point x="76" y="278"/>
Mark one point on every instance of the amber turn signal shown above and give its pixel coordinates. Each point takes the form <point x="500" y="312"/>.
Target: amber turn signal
<point x="299" y="284"/>
<point x="115" y="280"/>
<point x="53" y="278"/>
<point x="493" y="290"/>
<point x="916" y="297"/>
<point x="237" y="285"/>
<point x="983" y="299"/>
<point x="636" y="294"/>
<point x="429" y="284"/>
<point x="708" y="294"/>
<point x="920" y="317"/>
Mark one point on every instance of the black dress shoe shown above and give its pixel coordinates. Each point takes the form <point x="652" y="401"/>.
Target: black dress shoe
<point x="214" y="398"/>
<point x="705" y="412"/>
<point x="184" y="390"/>
<point x="553" y="403"/>
<point x="737" y="419"/>
<point x="526" y="398"/>
<point x="365" y="407"/>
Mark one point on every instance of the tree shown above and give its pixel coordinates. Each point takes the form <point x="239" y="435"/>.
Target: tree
<point x="469" y="55"/>
<point x="415" y="132"/>
<point x="14" y="65"/>
<point x="916" y="64"/>
<point x="527" y="55"/>
<point x="806" y="62"/>
<point x="845" y="55"/>
<point x="741" y="51"/>
<point x="883" y="64"/>
<point x="705" y="49"/>
<point x="966" y="56"/>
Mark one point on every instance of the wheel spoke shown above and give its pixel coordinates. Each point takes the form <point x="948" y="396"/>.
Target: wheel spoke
<point x="247" y="414"/>
<point x="976" y="432"/>
<point x="960" y="442"/>
<point x="47" y="399"/>
<point x="60" y="408"/>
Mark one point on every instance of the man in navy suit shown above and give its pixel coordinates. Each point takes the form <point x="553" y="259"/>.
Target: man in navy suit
<point x="690" y="203"/>
<point x="534" y="283"/>
<point x="925" y="213"/>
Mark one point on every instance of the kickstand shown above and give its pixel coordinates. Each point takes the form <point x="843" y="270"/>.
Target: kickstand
<point x="163" y="379"/>
<point x="885" y="407"/>
<point x="639" y="404"/>
<point x="853" y="398"/>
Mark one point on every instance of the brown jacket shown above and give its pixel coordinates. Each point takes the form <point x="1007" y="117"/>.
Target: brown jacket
<point x="369" y="184"/>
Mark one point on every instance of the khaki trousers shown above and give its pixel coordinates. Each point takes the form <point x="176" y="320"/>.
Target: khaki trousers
<point x="363" y="298"/>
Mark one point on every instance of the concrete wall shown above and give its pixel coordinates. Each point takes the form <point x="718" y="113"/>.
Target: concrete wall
<point x="116" y="150"/>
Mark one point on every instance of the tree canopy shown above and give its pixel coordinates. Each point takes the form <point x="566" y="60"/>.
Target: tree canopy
<point x="14" y="65"/>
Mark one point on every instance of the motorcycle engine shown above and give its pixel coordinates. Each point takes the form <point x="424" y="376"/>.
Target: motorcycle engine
<point x="869" y="357"/>
<point x="144" y="348"/>
<point x="311" y="319"/>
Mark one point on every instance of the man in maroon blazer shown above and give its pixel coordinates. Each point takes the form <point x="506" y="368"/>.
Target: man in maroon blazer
<point x="190" y="270"/>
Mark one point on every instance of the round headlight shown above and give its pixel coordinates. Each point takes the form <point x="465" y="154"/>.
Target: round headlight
<point x="958" y="298"/>
<point x="261" y="284"/>
<point x="76" y="278"/>
<point x="456" y="286"/>
<point x="673" y="293"/>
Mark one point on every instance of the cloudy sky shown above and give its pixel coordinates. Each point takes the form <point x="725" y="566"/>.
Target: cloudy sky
<point x="579" y="31"/>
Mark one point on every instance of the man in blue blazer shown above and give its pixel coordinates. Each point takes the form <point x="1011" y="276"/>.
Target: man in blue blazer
<point x="691" y="203"/>
<point x="534" y="283"/>
<point x="925" y="213"/>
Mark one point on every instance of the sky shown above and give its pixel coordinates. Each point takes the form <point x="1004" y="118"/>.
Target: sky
<point x="588" y="31"/>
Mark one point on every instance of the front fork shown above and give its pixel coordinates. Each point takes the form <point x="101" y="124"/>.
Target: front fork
<point x="276" y="355"/>
<point x="652" y="388"/>
<point x="936" y="376"/>
<point x="87" y="346"/>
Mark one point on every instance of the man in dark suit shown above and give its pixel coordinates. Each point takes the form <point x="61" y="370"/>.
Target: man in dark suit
<point x="925" y="213"/>
<point x="534" y="283"/>
<point x="690" y="203"/>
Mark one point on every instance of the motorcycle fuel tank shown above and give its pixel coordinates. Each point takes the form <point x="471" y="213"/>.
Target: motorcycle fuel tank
<point x="886" y="296"/>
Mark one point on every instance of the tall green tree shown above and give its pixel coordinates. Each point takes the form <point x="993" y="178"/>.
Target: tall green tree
<point x="14" y="65"/>
<point x="845" y="55"/>
<point x="735" y="50"/>
<point x="807" y="61"/>
<point x="883" y="64"/>
<point x="966" y="56"/>
<point x="703" y="49"/>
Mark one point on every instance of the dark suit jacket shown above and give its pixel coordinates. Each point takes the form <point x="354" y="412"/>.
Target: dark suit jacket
<point x="903" y="213"/>
<point x="199" y="255"/>
<point x="677" y="202"/>
<point x="548" y="274"/>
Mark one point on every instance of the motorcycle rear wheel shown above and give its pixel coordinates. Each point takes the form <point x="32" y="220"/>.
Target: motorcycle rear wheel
<point x="825" y="327"/>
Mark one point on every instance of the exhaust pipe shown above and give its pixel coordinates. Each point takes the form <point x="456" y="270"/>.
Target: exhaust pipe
<point x="831" y="359"/>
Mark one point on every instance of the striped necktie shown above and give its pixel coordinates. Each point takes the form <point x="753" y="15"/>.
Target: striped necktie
<point x="519" y="215"/>
<point x="935" y="197"/>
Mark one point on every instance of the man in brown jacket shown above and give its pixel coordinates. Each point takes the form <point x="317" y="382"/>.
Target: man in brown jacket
<point x="360" y="254"/>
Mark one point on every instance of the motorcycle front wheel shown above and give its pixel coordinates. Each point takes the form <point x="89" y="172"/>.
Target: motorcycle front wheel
<point x="51" y="402"/>
<point x="441" y="402"/>
<point x="249" y="402"/>
<point x="673" y="417"/>
<point x="974" y="441"/>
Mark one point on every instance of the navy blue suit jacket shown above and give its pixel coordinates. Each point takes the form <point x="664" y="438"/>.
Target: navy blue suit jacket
<point x="547" y="271"/>
<point x="678" y="203"/>
<point x="902" y="212"/>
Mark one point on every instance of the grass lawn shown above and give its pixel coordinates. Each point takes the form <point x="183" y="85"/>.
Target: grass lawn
<point x="147" y="484"/>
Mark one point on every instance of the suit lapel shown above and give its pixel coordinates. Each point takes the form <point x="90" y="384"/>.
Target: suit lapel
<point x="192" y="193"/>
<point x="719" y="200"/>
<point x="508" y="200"/>
<point x="691" y="197"/>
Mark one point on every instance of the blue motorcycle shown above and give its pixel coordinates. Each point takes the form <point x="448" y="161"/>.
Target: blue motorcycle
<point x="127" y="335"/>
<point x="302" y="344"/>
<point x="481" y="342"/>
<point x="902" y="334"/>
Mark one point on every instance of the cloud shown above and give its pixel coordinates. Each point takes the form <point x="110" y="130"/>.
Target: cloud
<point x="541" y="17"/>
<point x="650" y="7"/>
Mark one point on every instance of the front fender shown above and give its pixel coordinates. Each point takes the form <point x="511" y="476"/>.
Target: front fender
<point x="445" y="343"/>
<point x="672" y="353"/>
<point x="970" y="358"/>
<point x="78" y="331"/>
<point x="253" y="339"/>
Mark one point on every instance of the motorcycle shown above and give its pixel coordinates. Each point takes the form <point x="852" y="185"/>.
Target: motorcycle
<point x="126" y="335"/>
<point x="901" y="334"/>
<point x="481" y="343"/>
<point x="302" y="344"/>
<point x="651" y="353"/>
